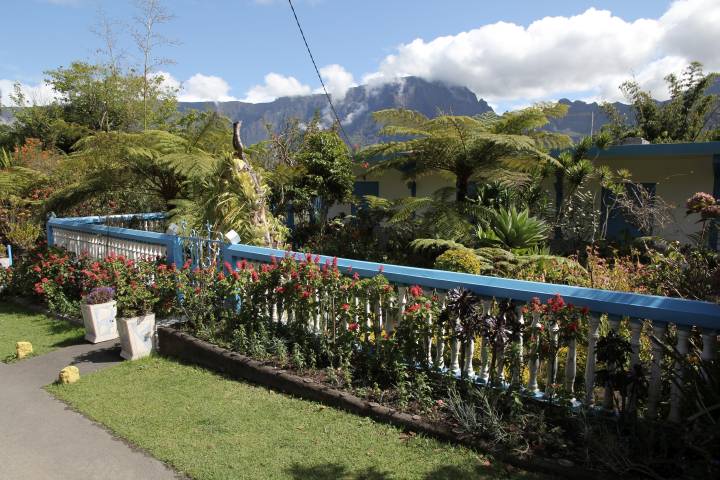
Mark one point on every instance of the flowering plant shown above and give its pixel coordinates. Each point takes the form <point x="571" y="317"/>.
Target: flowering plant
<point x="99" y="295"/>
<point x="5" y="278"/>
<point x="570" y="320"/>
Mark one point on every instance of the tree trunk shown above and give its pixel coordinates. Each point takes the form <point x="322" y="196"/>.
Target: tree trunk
<point x="462" y="183"/>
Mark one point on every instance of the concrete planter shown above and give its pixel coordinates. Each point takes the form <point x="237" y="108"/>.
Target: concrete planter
<point x="99" y="321"/>
<point x="5" y="262"/>
<point x="137" y="336"/>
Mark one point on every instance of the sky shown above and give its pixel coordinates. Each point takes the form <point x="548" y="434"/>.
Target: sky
<point x="510" y="53"/>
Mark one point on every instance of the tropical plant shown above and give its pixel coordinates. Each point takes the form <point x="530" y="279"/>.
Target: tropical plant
<point x="513" y="230"/>
<point x="470" y="149"/>
<point x="687" y="117"/>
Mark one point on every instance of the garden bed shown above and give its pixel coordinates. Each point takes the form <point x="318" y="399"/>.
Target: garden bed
<point x="175" y="343"/>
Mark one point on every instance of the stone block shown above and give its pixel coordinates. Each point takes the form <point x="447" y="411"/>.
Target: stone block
<point x="23" y="349"/>
<point x="69" y="374"/>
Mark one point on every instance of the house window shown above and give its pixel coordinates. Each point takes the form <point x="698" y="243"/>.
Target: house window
<point x="619" y="226"/>
<point x="364" y="188"/>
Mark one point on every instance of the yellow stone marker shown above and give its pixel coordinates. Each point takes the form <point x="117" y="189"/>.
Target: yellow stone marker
<point x="23" y="349"/>
<point x="69" y="374"/>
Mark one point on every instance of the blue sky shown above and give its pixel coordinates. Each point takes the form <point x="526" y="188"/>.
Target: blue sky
<point x="512" y="52"/>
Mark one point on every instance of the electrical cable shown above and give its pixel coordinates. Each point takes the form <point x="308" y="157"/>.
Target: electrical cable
<point x="317" y="70"/>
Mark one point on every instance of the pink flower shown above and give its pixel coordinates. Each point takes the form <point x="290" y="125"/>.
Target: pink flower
<point x="353" y="327"/>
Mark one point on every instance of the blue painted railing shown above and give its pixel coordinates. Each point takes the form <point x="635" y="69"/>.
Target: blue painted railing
<point x="612" y="305"/>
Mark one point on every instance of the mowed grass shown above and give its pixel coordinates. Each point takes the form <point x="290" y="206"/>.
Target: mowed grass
<point x="210" y="427"/>
<point x="45" y="333"/>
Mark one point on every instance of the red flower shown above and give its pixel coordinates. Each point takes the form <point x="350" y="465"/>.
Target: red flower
<point x="197" y="290"/>
<point x="416" y="290"/>
<point x="585" y="310"/>
<point x="306" y="293"/>
<point x="345" y="306"/>
<point x="413" y="308"/>
<point x="44" y="280"/>
<point x="365" y="165"/>
<point x="254" y="276"/>
<point x="279" y="289"/>
<point x="381" y="268"/>
<point x="353" y="327"/>
<point x="37" y="269"/>
<point x="356" y="276"/>
<point x="221" y="276"/>
<point x="228" y="267"/>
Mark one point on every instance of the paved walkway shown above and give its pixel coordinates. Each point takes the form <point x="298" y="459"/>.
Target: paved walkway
<point x="41" y="438"/>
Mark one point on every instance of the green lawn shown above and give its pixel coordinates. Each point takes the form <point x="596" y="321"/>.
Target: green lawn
<point x="45" y="333"/>
<point x="210" y="427"/>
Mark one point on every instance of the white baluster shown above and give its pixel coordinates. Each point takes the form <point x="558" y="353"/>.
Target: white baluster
<point x="683" y="334"/>
<point x="440" y="342"/>
<point x="655" y="385"/>
<point x="534" y="363"/>
<point x="455" y="348"/>
<point x="709" y="339"/>
<point x="552" y="362"/>
<point x="316" y="323"/>
<point x="517" y="369"/>
<point x="469" y="352"/>
<point x="636" y="326"/>
<point x="609" y="395"/>
<point x="389" y="322"/>
<point x="571" y="367"/>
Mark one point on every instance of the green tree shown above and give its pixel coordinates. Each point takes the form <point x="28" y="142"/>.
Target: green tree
<point x="469" y="149"/>
<point x="691" y="114"/>
<point x="325" y="175"/>
<point x="98" y="97"/>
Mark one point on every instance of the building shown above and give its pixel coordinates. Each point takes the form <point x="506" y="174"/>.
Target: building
<point x="672" y="171"/>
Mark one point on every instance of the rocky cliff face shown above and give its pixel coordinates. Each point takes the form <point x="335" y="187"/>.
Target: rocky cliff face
<point x="430" y="98"/>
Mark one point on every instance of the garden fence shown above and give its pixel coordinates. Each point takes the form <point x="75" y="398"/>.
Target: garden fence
<point x="647" y="315"/>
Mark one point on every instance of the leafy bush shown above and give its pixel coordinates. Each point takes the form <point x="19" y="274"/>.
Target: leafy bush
<point x="459" y="260"/>
<point x="5" y="279"/>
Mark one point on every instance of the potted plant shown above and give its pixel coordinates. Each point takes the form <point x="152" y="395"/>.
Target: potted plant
<point x="136" y="319"/>
<point x="98" y="310"/>
<point x="5" y="261"/>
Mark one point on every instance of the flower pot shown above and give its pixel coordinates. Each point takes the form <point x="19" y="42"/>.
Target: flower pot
<point x="5" y="262"/>
<point x="137" y="335"/>
<point x="99" y="320"/>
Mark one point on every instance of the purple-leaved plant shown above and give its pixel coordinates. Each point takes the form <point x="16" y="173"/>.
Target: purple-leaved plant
<point x="100" y="295"/>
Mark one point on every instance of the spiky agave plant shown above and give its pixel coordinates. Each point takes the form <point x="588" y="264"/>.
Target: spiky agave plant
<point x="513" y="230"/>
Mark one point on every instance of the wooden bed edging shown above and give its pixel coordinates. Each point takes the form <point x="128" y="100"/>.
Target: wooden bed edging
<point x="185" y="347"/>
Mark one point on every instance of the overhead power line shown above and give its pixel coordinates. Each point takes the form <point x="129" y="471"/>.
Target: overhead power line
<point x="317" y="70"/>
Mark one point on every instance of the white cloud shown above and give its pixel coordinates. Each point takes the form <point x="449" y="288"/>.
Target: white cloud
<point x="337" y="80"/>
<point x="199" y="88"/>
<point x="38" y="94"/>
<point x="592" y="52"/>
<point x="275" y="86"/>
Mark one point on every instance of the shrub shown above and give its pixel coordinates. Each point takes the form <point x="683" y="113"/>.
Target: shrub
<point x="5" y="279"/>
<point x="459" y="260"/>
<point x="3" y="251"/>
